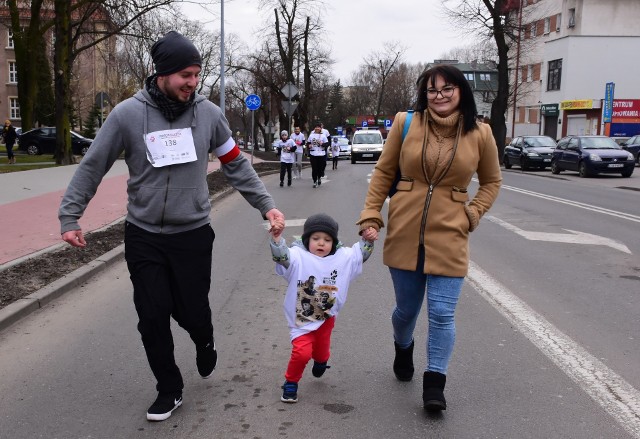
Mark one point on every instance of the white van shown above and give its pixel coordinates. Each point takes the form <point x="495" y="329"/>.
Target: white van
<point x="366" y="145"/>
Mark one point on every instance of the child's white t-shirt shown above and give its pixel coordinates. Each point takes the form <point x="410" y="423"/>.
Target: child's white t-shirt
<point x="317" y="286"/>
<point x="285" y="155"/>
<point x="335" y="149"/>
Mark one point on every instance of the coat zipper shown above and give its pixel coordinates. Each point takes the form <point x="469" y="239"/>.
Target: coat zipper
<point x="432" y="185"/>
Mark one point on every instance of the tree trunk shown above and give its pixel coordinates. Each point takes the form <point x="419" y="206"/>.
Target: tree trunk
<point x="62" y="77"/>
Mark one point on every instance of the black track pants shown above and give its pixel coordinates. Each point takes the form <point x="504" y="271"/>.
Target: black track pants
<point x="171" y="276"/>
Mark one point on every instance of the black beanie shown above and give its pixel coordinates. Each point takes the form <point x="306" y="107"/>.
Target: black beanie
<point x="174" y="52"/>
<point x="320" y="223"/>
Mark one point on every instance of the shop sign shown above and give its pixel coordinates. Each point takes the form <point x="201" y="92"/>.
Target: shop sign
<point x="549" y="109"/>
<point x="580" y="104"/>
<point x="626" y="111"/>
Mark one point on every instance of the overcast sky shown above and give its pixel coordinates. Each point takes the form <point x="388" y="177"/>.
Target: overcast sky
<point x="355" y="28"/>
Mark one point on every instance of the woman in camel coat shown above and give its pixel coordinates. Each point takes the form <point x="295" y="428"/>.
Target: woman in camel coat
<point x="431" y="215"/>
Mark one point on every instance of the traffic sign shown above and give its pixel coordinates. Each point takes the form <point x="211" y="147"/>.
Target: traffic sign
<point x="387" y="123"/>
<point x="289" y="90"/>
<point x="365" y="123"/>
<point x="289" y="107"/>
<point x="253" y="102"/>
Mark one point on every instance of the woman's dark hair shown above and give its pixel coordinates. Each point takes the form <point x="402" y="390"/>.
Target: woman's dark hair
<point x="453" y="76"/>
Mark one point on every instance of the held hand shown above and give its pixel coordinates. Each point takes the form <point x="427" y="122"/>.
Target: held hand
<point x="75" y="238"/>
<point x="370" y="234"/>
<point x="276" y="221"/>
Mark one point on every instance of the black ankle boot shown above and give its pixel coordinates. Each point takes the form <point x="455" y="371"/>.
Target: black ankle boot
<point x="403" y="363"/>
<point x="433" y="391"/>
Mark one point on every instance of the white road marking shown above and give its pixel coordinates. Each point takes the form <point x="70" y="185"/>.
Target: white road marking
<point x="586" y="206"/>
<point x="617" y="397"/>
<point x="287" y="223"/>
<point x="574" y="238"/>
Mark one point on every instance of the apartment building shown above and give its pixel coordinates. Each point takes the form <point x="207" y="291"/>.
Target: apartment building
<point x="92" y="76"/>
<point x="570" y="50"/>
<point x="483" y="79"/>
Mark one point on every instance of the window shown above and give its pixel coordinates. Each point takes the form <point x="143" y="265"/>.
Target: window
<point x="468" y="76"/>
<point x="558" y="22"/>
<point x="9" y="39"/>
<point x="13" y="72"/>
<point x="530" y="73"/>
<point x="572" y="17"/>
<point x="14" y="108"/>
<point x="547" y="25"/>
<point x="485" y="76"/>
<point x="554" y="74"/>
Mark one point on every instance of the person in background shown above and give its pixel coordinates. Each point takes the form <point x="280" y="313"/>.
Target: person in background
<point x="9" y="136"/>
<point x="430" y="216"/>
<point x="166" y="131"/>
<point x="286" y="150"/>
<point x="335" y="152"/>
<point x="299" y="139"/>
<point x="327" y="145"/>
<point x="317" y="154"/>
<point x="318" y="270"/>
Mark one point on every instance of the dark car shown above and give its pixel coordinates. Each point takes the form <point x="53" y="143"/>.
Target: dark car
<point x="43" y="140"/>
<point x="633" y="146"/>
<point x="591" y="155"/>
<point x="529" y="152"/>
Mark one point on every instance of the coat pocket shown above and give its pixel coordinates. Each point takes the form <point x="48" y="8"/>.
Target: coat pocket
<point x="404" y="184"/>
<point x="459" y="194"/>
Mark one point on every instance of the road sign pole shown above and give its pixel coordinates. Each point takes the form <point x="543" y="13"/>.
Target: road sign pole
<point x="253" y="141"/>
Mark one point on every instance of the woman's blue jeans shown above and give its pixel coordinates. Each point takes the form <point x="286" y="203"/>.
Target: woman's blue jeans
<point x="442" y="297"/>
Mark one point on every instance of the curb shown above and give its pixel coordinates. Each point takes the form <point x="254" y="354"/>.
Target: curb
<point x="34" y="301"/>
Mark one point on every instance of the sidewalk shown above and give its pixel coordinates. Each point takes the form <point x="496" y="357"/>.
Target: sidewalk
<point x="29" y="202"/>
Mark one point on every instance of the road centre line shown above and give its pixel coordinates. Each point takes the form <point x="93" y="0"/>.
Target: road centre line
<point x="591" y="207"/>
<point x="617" y="397"/>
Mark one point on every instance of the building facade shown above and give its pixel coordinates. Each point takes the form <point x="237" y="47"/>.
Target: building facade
<point x="576" y="58"/>
<point x="92" y="71"/>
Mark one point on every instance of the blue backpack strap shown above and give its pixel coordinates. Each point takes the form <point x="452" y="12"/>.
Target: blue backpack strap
<point x="407" y="123"/>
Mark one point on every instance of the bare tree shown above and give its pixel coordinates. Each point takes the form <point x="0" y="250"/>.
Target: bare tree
<point x="382" y="64"/>
<point x="491" y="19"/>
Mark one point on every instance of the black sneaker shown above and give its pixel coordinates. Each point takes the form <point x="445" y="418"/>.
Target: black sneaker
<point x="206" y="359"/>
<point x="163" y="406"/>
<point x="281" y="183"/>
<point x="289" y="392"/>
<point x="318" y="369"/>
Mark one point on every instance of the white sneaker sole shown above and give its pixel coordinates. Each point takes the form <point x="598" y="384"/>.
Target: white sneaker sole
<point x="162" y="416"/>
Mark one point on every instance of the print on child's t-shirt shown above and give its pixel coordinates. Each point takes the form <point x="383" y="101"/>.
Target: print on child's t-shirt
<point x="313" y="302"/>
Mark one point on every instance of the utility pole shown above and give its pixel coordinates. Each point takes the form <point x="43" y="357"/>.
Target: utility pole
<point x="222" y="103"/>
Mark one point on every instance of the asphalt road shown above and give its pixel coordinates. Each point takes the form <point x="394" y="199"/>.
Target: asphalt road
<point x="547" y="333"/>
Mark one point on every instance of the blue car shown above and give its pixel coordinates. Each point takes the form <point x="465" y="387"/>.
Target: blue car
<point x="633" y="146"/>
<point x="591" y="155"/>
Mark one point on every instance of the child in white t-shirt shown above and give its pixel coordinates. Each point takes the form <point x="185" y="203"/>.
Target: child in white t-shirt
<point x="335" y="151"/>
<point x="286" y="149"/>
<point x="319" y="270"/>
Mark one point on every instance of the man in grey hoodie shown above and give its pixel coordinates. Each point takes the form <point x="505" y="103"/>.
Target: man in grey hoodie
<point x="166" y="131"/>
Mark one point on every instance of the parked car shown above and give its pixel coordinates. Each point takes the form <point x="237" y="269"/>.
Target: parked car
<point x="366" y="145"/>
<point x="633" y="146"/>
<point x="529" y="152"/>
<point x="43" y="140"/>
<point x="345" y="148"/>
<point x="591" y="155"/>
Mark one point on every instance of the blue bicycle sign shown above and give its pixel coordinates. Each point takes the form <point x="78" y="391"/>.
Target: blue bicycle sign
<point x="253" y="102"/>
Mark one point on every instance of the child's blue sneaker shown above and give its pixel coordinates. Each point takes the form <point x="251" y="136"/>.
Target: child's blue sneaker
<point x="289" y="392"/>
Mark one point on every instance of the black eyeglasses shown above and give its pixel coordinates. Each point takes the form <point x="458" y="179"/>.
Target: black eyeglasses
<point x="445" y="92"/>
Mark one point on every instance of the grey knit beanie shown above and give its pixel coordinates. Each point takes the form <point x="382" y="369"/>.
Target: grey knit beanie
<point x="174" y="52"/>
<point x="284" y="133"/>
<point x="320" y="222"/>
